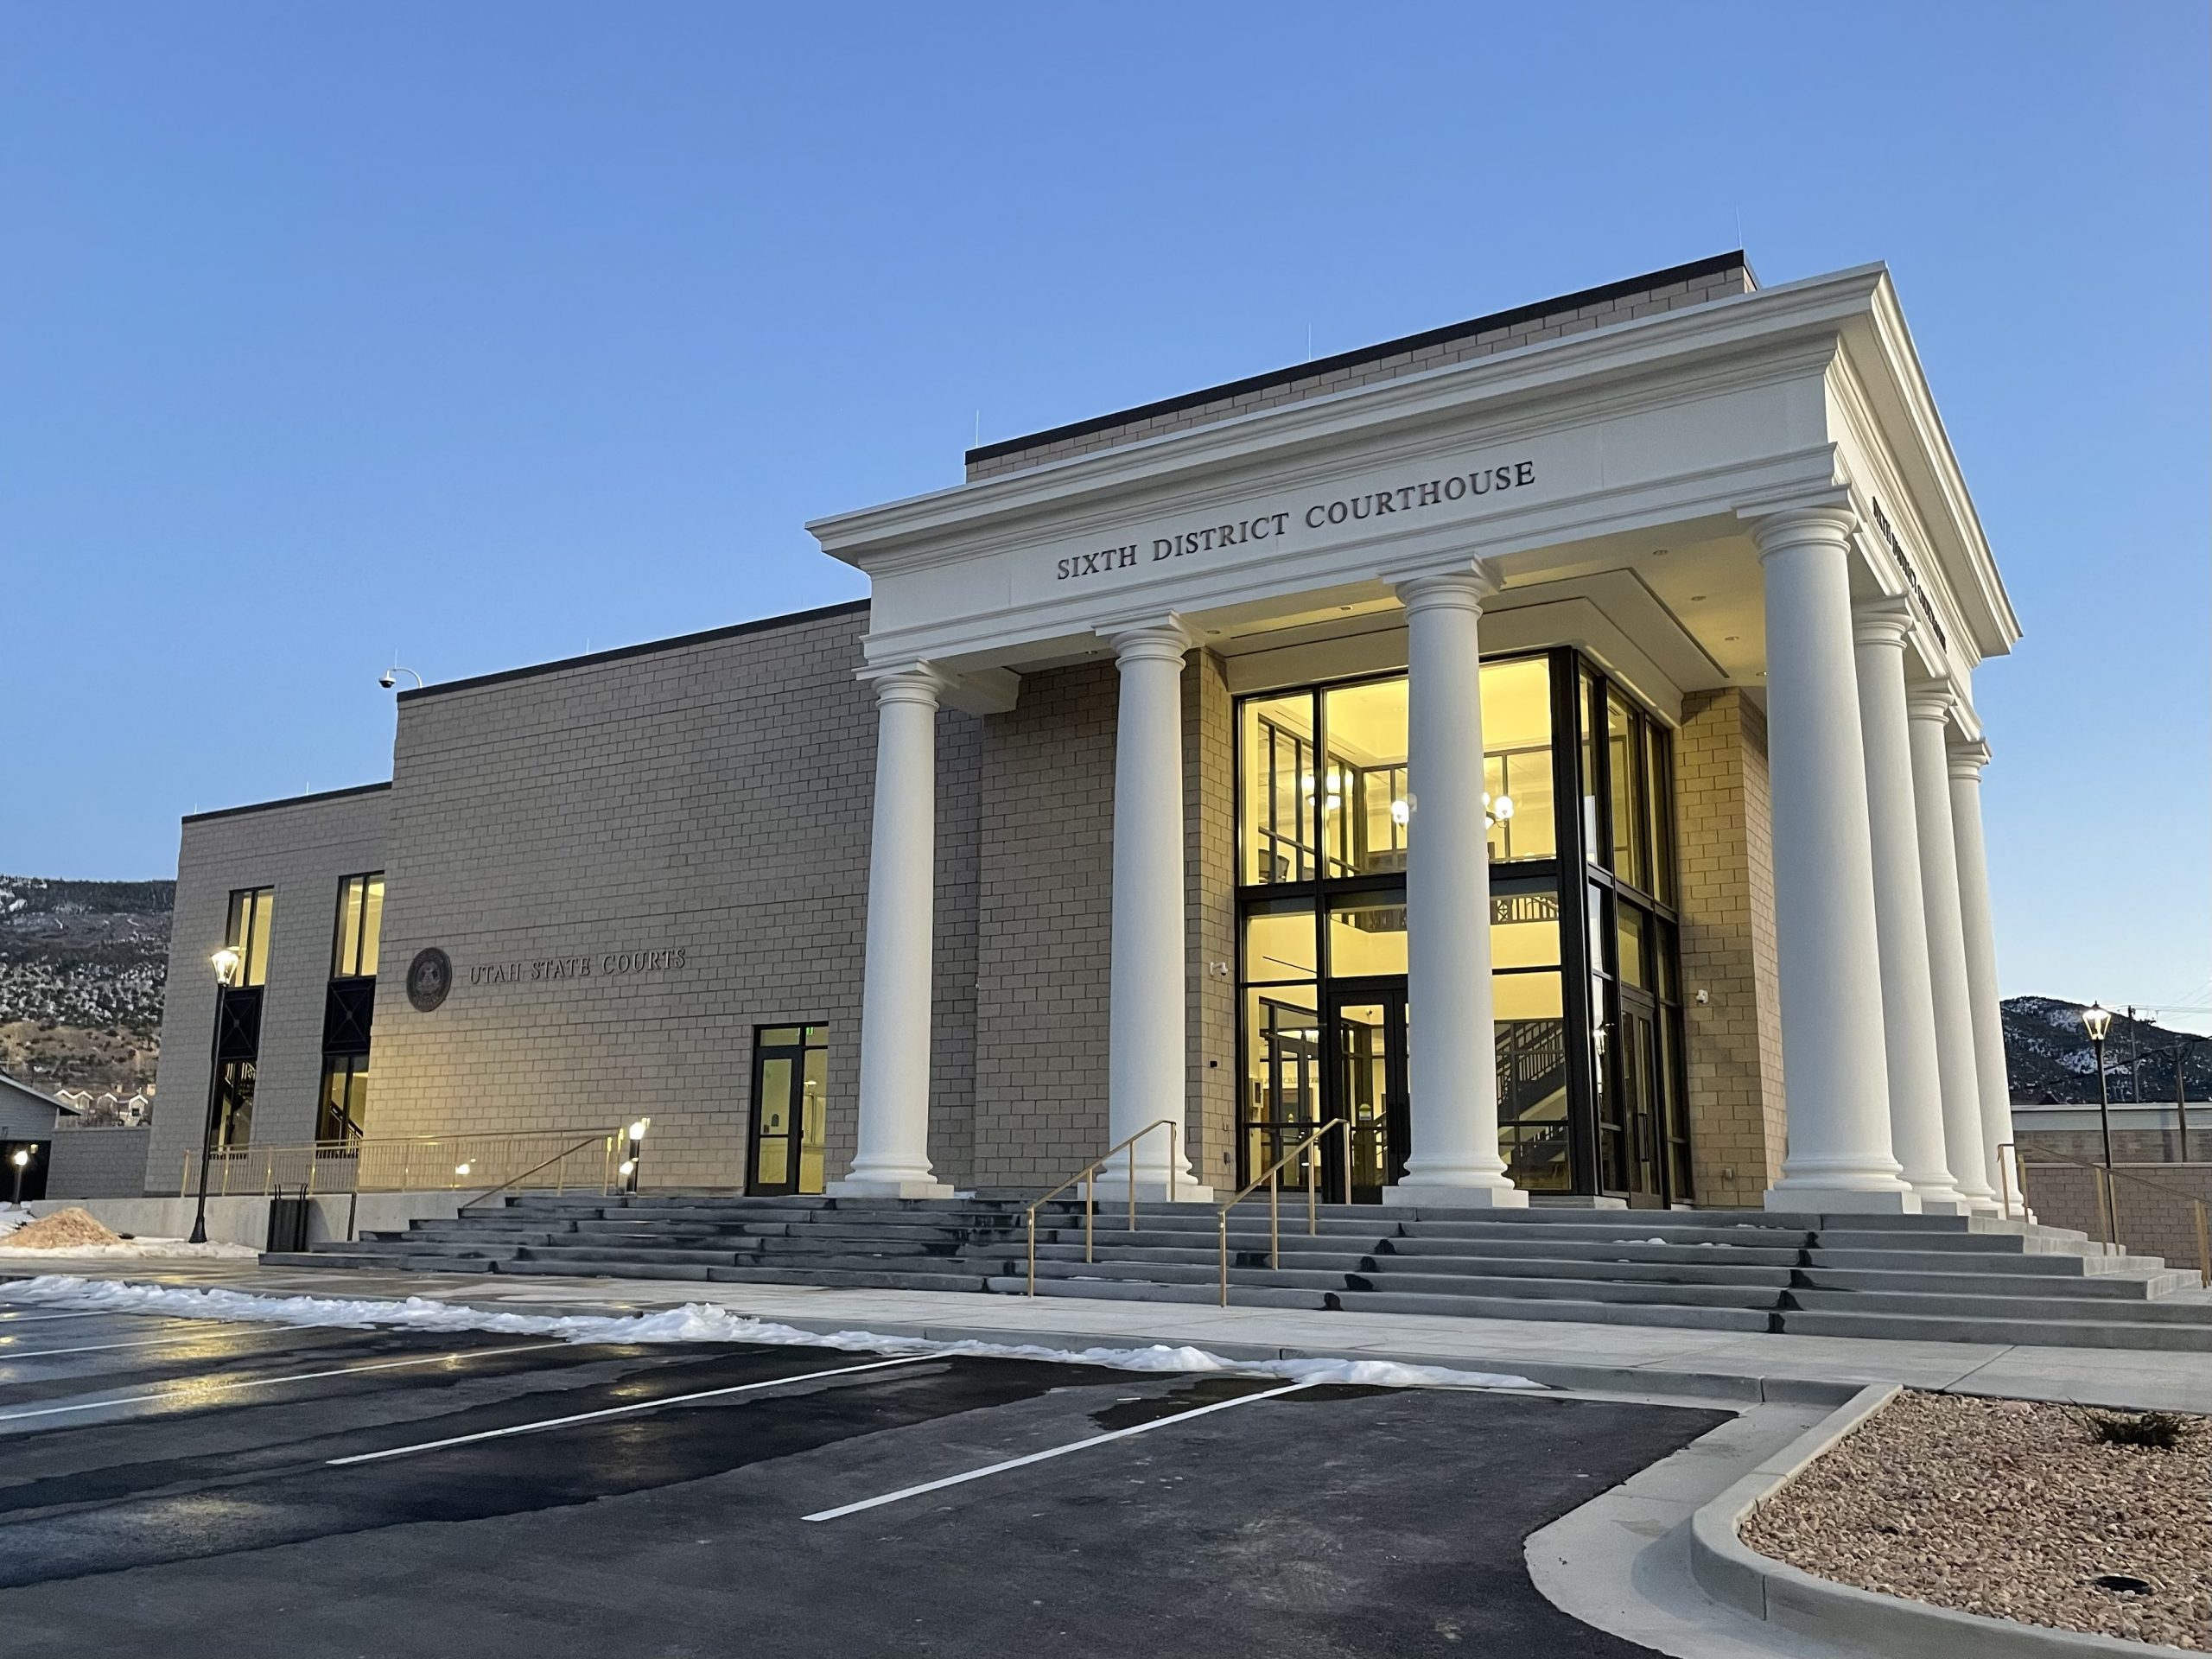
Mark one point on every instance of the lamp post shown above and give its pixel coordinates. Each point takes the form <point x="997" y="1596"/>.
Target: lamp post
<point x="2096" y="1019"/>
<point x="21" y="1160"/>
<point x="225" y="963"/>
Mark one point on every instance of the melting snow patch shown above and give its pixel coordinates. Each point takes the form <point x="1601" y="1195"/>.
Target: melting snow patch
<point x="701" y="1322"/>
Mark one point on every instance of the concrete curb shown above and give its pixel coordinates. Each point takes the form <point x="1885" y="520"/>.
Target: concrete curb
<point x="1895" y="1627"/>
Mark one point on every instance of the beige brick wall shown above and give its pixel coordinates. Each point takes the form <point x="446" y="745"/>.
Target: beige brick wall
<point x="1550" y="324"/>
<point x="2154" y="1205"/>
<point x="1044" y="926"/>
<point x="302" y="849"/>
<point x="1210" y="873"/>
<point x="1732" y="1040"/>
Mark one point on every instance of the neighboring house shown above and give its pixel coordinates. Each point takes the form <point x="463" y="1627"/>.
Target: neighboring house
<point x="29" y="1117"/>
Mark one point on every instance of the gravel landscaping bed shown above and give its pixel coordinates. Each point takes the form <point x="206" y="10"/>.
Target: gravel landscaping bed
<point x="2010" y="1509"/>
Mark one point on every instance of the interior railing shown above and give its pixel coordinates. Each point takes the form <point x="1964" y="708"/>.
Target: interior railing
<point x="1088" y="1176"/>
<point x="2101" y="1179"/>
<point x="555" y="1159"/>
<point x="1271" y="1178"/>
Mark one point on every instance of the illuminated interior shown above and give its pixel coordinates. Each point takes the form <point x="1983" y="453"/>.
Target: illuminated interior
<point x="1324" y="826"/>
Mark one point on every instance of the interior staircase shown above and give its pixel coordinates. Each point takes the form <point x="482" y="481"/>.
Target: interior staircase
<point x="1925" y="1277"/>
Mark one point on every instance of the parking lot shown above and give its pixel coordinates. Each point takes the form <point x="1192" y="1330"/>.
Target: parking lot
<point x="178" y="1487"/>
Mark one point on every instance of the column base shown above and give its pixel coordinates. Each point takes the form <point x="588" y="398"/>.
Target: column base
<point x="1809" y="1198"/>
<point x="1435" y="1196"/>
<point x="1945" y="1207"/>
<point x="851" y="1188"/>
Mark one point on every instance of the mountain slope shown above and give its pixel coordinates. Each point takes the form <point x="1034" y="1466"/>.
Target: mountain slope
<point x="81" y="969"/>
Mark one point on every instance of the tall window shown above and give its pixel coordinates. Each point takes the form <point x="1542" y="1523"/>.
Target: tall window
<point x="237" y="1016"/>
<point x="349" y="1009"/>
<point x="247" y="933"/>
<point x="360" y="919"/>
<point x="1326" y="789"/>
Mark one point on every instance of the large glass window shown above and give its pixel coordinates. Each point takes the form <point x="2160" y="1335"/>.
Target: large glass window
<point x="360" y="919"/>
<point x="233" y="1104"/>
<point x="247" y="932"/>
<point x="344" y="1112"/>
<point x="1326" y="815"/>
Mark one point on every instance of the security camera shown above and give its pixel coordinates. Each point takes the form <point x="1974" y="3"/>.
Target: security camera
<point x="387" y="679"/>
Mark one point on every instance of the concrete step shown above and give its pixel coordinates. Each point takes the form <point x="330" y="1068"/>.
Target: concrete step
<point x="1142" y="1291"/>
<point x="1682" y="1317"/>
<point x="1972" y="1306"/>
<point x="2049" y="1334"/>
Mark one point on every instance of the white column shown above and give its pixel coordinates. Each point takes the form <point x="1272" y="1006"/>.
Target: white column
<point x="1833" y="1054"/>
<point x="1453" y="1057"/>
<point x="894" y="1157"/>
<point x="1981" y="956"/>
<point x="1146" y="1080"/>
<point x="1930" y="710"/>
<point x="1900" y="913"/>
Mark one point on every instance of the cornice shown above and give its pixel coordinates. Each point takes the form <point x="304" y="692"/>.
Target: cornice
<point x="1665" y="343"/>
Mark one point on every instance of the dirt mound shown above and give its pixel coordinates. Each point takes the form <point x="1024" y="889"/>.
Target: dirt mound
<point x="66" y="1229"/>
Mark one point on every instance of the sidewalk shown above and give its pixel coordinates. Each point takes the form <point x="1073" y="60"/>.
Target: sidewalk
<point x="1635" y="1360"/>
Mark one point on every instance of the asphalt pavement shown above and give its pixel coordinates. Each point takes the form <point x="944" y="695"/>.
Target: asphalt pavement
<point x="178" y="1488"/>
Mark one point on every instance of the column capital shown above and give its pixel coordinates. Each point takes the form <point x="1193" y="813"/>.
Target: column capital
<point x="1884" y="621"/>
<point x="918" y="682"/>
<point x="1162" y="641"/>
<point x="1458" y="590"/>
<point x="1934" y="700"/>
<point x="1967" y="759"/>
<point x="1794" y="527"/>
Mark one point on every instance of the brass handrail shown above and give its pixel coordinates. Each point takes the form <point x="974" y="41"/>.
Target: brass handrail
<point x="1088" y="1176"/>
<point x="606" y="1140"/>
<point x="1271" y="1175"/>
<point x="2107" y="1203"/>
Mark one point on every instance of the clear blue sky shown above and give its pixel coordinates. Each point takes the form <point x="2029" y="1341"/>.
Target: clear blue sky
<point x="489" y="332"/>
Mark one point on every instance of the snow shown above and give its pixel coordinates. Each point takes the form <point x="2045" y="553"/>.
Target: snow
<point x="13" y="1216"/>
<point x="700" y="1322"/>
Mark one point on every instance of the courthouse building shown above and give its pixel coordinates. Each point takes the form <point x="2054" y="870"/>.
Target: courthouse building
<point x="1545" y="743"/>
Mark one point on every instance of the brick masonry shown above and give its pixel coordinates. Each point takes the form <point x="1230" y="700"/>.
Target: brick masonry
<point x="713" y="796"/>
<point x="106" y="1162"/>
<point x="2154" y="1204"/>
<point x="302" y="849"/>
<point x="1366" y="372"/>
<point x="1732" y="1040"/>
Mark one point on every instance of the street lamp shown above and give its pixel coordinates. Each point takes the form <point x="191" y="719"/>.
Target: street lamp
<point x="628" y="1171"/>
<point x="21" y="1160"/>
<point x="225" y="963"/>
<point x="2097" y="1019"/>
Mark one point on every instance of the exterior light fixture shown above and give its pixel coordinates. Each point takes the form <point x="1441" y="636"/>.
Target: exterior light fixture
<point x="21" y="1160"/>
<point x="23" y="1157"/>
<point x="226" y="962"/>
<point x="460" y="1169"/>
<point x="1402" y="812"/>
<point x="2097" y="1019"/>
<point x="628" y="1168"/>
<point x="638" y="1129"/>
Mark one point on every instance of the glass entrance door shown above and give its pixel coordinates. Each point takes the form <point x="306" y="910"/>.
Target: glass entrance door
<point x="1635" y="1089"/>
<point x="1367" y="1087"/>
<point x="790" y="1077"/>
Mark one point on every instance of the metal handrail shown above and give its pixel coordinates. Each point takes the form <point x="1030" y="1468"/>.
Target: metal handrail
<point x="2107" y="1202"/>
<point x="394" y="1163"/>
<point x="1088" y="1176"/>
<point x="606" y="1140"/>
<point x="1272" y="1176"/>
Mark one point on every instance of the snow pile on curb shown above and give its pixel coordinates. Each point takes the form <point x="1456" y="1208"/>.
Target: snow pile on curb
<point x="698" y="1322"/>
<point x="16" y="1217"/>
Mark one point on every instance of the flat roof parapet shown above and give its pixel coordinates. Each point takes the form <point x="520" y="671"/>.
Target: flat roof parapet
<point x="1672" y="289"/>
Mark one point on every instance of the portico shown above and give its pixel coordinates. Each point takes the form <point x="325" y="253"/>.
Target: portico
<point x="1663" y="502"/>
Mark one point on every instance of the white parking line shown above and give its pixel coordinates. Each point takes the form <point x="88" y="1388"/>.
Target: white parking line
<point x="202" y="1388"/>
<point x="617" y="1411"/>
<point x="1057" y="1451"/>
<point x="89" y="1313"/>
<point x="8" y="1356"/>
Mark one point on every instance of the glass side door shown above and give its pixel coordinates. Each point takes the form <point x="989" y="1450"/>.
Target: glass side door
<point x="1367" y="1026"/>
<point x="790" y="1074"/>
<point x="1636" y="1086"/>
